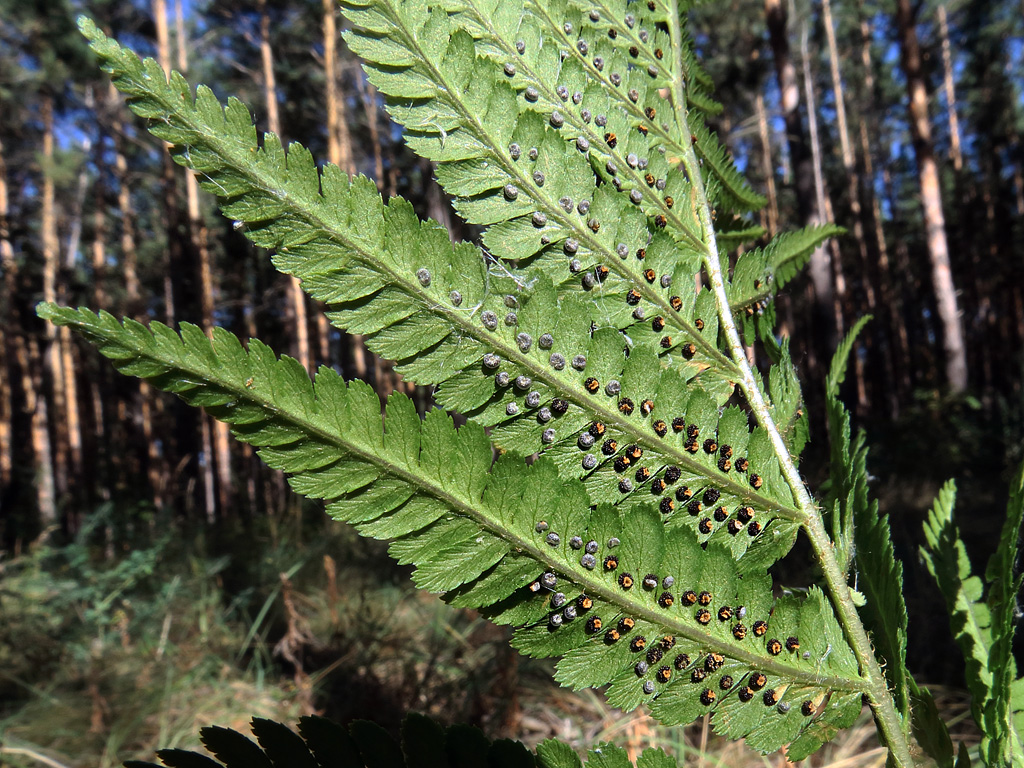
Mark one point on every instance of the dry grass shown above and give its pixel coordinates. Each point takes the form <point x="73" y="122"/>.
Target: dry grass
<point x="351" y="640"/>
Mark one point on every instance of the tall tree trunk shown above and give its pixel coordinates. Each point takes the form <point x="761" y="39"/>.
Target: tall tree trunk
<point x="931" y="199"/>
<point x="820" y="193"/>
<point x="182" y="295"/>
<point x="51" y="266"/>
<point x="802" y="163"/>
<point x="215" y="435"/>
<point x="9" y="269"/>
<point x="896" y="336"/>
<point x="153" y="465"/>
<point x="768" y="167"/>
<point x="300" y="321"/>
<point x="24" y="365"/>
<point x="947" y="84"/>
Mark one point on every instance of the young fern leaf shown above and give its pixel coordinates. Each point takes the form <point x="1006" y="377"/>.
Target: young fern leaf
<point x="982" y="624"/>
<point x="651" y="612"/>
<point x="506" y="347"/>
<point x="857" y="529"/>
<point x="760" y="273"/>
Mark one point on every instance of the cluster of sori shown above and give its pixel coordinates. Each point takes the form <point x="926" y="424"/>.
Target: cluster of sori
<point x="650" y="669"/>
<point x="599" y="447"/>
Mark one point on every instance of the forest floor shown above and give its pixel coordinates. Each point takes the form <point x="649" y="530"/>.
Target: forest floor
<point x="102" y="662"/>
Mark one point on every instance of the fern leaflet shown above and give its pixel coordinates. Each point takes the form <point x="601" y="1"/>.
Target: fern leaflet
<point x="670" y="623"/>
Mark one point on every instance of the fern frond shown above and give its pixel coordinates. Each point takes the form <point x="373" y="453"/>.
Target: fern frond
<point x="670" y="621"/>
<point x="983" y="625"/>
<point x="322" y="743"/>
<point x="501" y="346"/>
<point x="858" y="530"/>
<point x="533" y="176"/>
<point x="760" y="273"/>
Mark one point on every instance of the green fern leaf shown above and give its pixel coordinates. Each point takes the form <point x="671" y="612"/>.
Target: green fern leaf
<point x="982" y="627"/>
<point x="858" y="528"/>
<point x="760" y="273"/>
<point x="669" y="620"/>
<point x="501" y="346"/>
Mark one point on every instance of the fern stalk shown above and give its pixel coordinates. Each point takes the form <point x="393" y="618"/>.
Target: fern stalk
<point x="877" y="690"/>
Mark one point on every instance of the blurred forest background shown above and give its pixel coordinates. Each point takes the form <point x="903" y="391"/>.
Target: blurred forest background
<point x="154" y="577"/>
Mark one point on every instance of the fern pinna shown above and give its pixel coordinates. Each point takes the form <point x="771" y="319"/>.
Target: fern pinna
<point x="595" y="326"/>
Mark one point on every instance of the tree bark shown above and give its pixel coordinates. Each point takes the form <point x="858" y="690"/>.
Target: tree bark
<point x="299" y="317"/>
<point x="802" y="164"/>
<point x="931" y="199"/>
<point x="768" y="167"/>
<point x="896" y="337"/>
<point x="947" y="83"/>
<point x="24" y="366"/>
<point x="52" y="357"/>
<point x="182" y="293"/>
<point x="822" y="203"/>
<point x="215" y="435"/>
<point x="8" y="268"/>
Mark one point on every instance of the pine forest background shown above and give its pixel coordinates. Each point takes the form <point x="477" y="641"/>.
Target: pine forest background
<point x="155" y="576"/>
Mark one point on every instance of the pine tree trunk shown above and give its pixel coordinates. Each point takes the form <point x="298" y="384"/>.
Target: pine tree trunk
<point x="947" y="83"/>
<point x="931" y="199"/>
<point x="339" y="152"/>
<point x="9" y="269"/>
<point x="820" y="347"/>
<point x="896" y="335"/>
<point x="24" y="366"/>
<point x="768" y="168"/>
<point x="215" y="434"/>
<point x="297" y="299"/>
<point x="182" y="293"/>
<point x="822" y="203"/>
<point x="53" y="359"/>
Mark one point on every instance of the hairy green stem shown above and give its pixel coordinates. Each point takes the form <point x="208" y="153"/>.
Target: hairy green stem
<point x="877" y="691"/>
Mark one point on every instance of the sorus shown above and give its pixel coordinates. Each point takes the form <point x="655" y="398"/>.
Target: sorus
<point x="638" y="643"/>
<point x="707" y="697"/>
